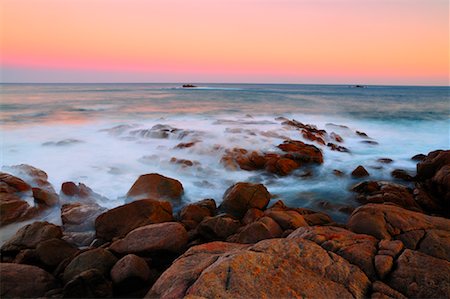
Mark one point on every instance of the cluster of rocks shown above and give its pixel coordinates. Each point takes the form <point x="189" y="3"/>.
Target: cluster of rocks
<point x="396" y="245"/>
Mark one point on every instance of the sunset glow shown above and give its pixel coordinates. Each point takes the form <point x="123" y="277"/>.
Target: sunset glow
<point x="343" y="41"/>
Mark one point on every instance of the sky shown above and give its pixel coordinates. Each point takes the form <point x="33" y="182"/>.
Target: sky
<point x="393" y="42"/>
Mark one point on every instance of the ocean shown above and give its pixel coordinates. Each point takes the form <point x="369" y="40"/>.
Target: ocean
<point x="101" y="134"/>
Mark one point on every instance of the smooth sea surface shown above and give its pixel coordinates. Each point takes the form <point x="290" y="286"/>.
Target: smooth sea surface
<point x="95" y="134"/>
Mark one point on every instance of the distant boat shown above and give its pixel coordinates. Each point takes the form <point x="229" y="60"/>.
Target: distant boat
<point x="188" y="86"/>
<point x="359" y="86"/>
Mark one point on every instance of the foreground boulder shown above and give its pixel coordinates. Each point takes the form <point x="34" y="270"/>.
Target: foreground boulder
<point x="12" y="207"/>
<point x="128" y="268"/>
<point x="24" y="281"/>
<point x="192" y="214"/>
<point x="52" y="252"/>
<point x="88" y="284"/>
<point x="156" y="186"/>
<point x="243" y="196"/>
<point x="276" y="268"/>
<point x="427" y="234"/>
<point x="168" y="236"/>
<point x="120" y="221"/>
<point x="31" y="235"/>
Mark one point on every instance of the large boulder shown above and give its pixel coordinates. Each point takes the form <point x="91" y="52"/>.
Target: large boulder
<point x="31" y="235"/>
<point x="263" y="228"/>
<point x="80" y="216"/>
<point x="99" y="258"/>
<point x="427" y="234"/>
<point x="192" y="214"/>
<point x="12" y="207"/>
<point x="72" y="193"/>
<point x="120" y="221"/>
<point x="243" y="196"/>
<point x="418" y="275"/>
<point x="53" y="251"/>
<point x="276" y="268"/>
<point x="358" y="249"/>
<point x="218" y="227"/>
<point x="88" y="284"/>
<point x="24" y="281"/>
<point x="168" y="236"/>
<point x="130" y="268"/>
<point x="301" y="152"/>
<point x="156" y="186"/>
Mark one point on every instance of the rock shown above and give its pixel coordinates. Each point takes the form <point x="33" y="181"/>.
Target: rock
<point x="418" y="157"/>
<point x="392" y="248"/>
<point x="218" y="227"/>
<point x="156" y="186"/>
<point x="385" y="160"/>
<point x="12" y="208"/>
<point x="168" y="236"/>
<point x="360" y="172"/>
<point x="286" y="219"/>
<point x="14" y="182"/>
<point x="264" y="228"/>
<point x="302" y="152"/>
<point x="252" y="215"/>
<point x="186" y="145"/>
<point x="421" y="276"/>
<point x="88" y="284"/>
<point x="362" y="134"/>
<point x="358" y="249"/>
<point x="45" y="197"/>
<point x="31" y="235"/>
<point x="79" y="239"/>
<point x="72" y="193"/>
<point x="336" y="137"/>
<point x="383" y="291"/>
<point x="313" y="136"/>
<point x="383" y="265"/>
<point x="80" y="216"/>
<point x="386" y="192"/>
<point x="99" y="258"/>
<point x="338" y="173"/>
<point x="53" y="251"/>
<point x="243" y="196"/>
<point x="338" y="148"/>
<point x="24" y="281"/>
<point x="417" y="231"/>
<point x="402" y="175"/>
<point x="280" y="165"/>
<point x="175" y="281"/>
<point x="275" y="268"/>
<point x="120" y="221"/>
<point x="433" y="162"/>
<point x="194" y="213"/>
<point x="130" y="267"/>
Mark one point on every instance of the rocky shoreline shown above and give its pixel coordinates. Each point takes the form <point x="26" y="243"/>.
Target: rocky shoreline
<point x="395" y="245"/>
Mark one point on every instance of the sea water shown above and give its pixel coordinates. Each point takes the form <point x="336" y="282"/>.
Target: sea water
<point x="95" y="134"/>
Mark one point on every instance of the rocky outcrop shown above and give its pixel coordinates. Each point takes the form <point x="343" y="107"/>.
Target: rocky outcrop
<point x="73" y="193"/>
<point x="218" y="227"/>
<point x="271" y="268"/>
<point x="192" y="214"/>
<point x="243" y="196"/>
<point x="128" y="268"/>
<point x="120" y="221"/>
<point x="360" y="172"/>
<point x="156" y="186"/>
<point x="24" y="281"/>
<point x="301" y="152"/>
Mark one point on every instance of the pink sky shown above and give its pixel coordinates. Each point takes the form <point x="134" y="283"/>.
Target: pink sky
<point x="334" y="41"/>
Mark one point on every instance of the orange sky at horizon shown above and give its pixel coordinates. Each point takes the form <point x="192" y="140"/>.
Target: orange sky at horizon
<point x="375" y="42"/>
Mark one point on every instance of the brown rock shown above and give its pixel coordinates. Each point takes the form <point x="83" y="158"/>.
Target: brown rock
<point x="302" y="152"/>
<point x="156" y="186"/>
<point x="313" y="136"/>
<point x="421" y="276"/>
<point x="119" y="221"/>
<point x="418" y="157"/>
<point x="276" y="268"/>
<point x="360" y="172"/>
<point x="243" y="196"/>
<point x="402" y="175"/>
<point x="392" y="248"/>
<point x="45" y="197"/>
<point x="88" y="284"/>
<point x="98" y="258"/>
<point x="12" y="208"/>
<point x="31" y="235"/>
<point x="252" y="215"/>
<point x="18" y="184"/>
<point x="218" y="227"/>
<point x="358" y="249"/>
<point x="336" y="137"/>
<point x="287" y="219"/>
<point x="130" y="267"/>
<point x="52" y="252"/>
<point x="168" y="236"/>
<point x="385" y="160"/>
<point x="197" y="211"/>
<point x="80" y="216"/>
<point x="385" y="291"/>
<point x="383" y="265"/>
<point x="264" y="228"/>
<point x="24" y="281"/>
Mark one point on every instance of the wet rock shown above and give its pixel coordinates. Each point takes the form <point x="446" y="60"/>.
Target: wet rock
<point x="336" y="137"/>
<point x="360" y="172"/>
<point x="12" y="208"/>
<point x="418" y="157"/>
<point x="338" y="148"/>
<point x="130" y="267"/>
<point x="274" y="268"/>
<point x="361" y="134"/>
<point x="184" y="162"/>
<point x="386" y="192"/>
<point x="252" y="215"/>
<point x="313" y="136"/>
<point x="45" y="197"/>
<point x="80" y="216"/>
<point x="358" y="249"/>
<point x="156" y="186"/>
<point x="24" y="281"/>
<point x="371" y="142"/>
<point x="31" y="235"/>
<point x="402" y="175"/>
<point x="383" y="291"/>
<point x="88" y="284"/>
<point x="70" y="193"/>
<point x="192" y="214"/>
<point x="243" y="196"/>
<point x="14" y="182"/>
<point x="279" y="165"/>
<point x="168" y="236"/>
<point x="286" y="219"/>
<point x="99" y="259"/>
<point x="52" y="252"/>
<point x="338" y="173"/>
<point x="301" y="152"/>
<point x="79" y="239"/>
<point x="218" y="227"/>
<point x="120" y="221"/>
<point x="383" y="265"/>
<point x="421" y="276"/>
<point x="385" y="160"/>
<point x="264" y="228"/>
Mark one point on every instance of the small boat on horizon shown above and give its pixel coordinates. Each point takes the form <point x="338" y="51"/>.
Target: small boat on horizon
<point x="188" y="86"/>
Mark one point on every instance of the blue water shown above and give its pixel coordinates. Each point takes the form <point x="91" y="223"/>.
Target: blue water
<point x="63" y="129"/>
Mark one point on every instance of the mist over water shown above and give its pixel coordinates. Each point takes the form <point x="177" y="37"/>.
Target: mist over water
<point x="101" y="134"/>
